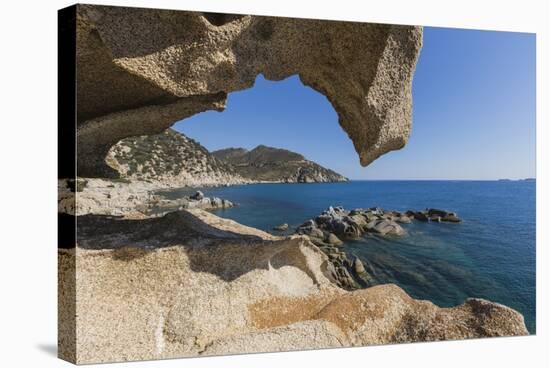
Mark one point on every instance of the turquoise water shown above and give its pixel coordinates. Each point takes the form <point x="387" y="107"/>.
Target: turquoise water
<point x="490" y="255"/>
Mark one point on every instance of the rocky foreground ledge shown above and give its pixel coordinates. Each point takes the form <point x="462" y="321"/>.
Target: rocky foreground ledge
<point x="190" y="283"/>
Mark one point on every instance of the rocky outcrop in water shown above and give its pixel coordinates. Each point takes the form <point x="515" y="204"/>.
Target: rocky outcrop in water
<point x="432" y="214"/>
<point x="352" y="224"/>
<point x="336" y="223"/>
<point x="181" y="63"/>
<point x="355" y="223"/>
<point x="268" y="164"/>
<point x="182" y="285"/>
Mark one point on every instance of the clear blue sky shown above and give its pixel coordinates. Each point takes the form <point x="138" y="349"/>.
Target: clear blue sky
<point x="473" y="114"/>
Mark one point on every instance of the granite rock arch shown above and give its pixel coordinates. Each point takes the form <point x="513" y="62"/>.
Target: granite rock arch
<point x="141" y="70"/>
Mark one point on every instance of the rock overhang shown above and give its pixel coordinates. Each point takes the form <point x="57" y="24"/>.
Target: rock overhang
<point x="141" y="70"/>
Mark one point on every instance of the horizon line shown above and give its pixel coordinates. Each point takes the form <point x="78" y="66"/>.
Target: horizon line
<point x="440" y="179"/>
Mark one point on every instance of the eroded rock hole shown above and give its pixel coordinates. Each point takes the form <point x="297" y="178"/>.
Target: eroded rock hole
<point x="219" y="19"/>
<point x="269" y="153"/>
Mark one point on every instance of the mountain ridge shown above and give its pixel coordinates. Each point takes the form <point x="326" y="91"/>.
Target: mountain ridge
<point x="172" y="159"/>
<point x="267" y="163"/>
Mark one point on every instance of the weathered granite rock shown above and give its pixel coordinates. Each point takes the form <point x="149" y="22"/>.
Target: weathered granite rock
<point x="339" y="267"/>
<point x="333" y="239"/>
<point x="435" y="218"/>
<point x="386" y="314"/>
<point x="130" y="199"/>
<point x="282" y="227"/>
<point x="197" y="196"/>
<point x="181" y="285"/>
<point x="163" y="206"/>
<point x="451" y="217"/>
<point x="403" y="219"/>
<point x="296" y="336"/>
<point x="132" y="83"/>
<point x="358" y="266"/>
<point x="316" y="233"/>
<point x="216" y="202"/>
<point x="336" y="220"/>
<point x="387" y="227"/>
<point x="420" y="216"/>
<point x="353" y="224"/>
<point x="441" y="215"/>
<point x="337" y="223"/>
<point x="105" y="197"/>
<point x="436" y="212"/>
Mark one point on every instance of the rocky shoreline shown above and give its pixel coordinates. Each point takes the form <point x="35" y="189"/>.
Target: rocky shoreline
<point x="129" y="199"/>
<point x="200" y="293"/>
<point x="160" y="206"/>
<point x="336" y="223"/>
<point x="209" y="285"/>
<point x="327" y="231"/>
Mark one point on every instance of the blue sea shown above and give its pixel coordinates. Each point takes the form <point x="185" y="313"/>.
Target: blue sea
<point x="490" y="255"/>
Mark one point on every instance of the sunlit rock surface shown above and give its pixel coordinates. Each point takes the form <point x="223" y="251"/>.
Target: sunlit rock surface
<point x="191" y="283"/>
